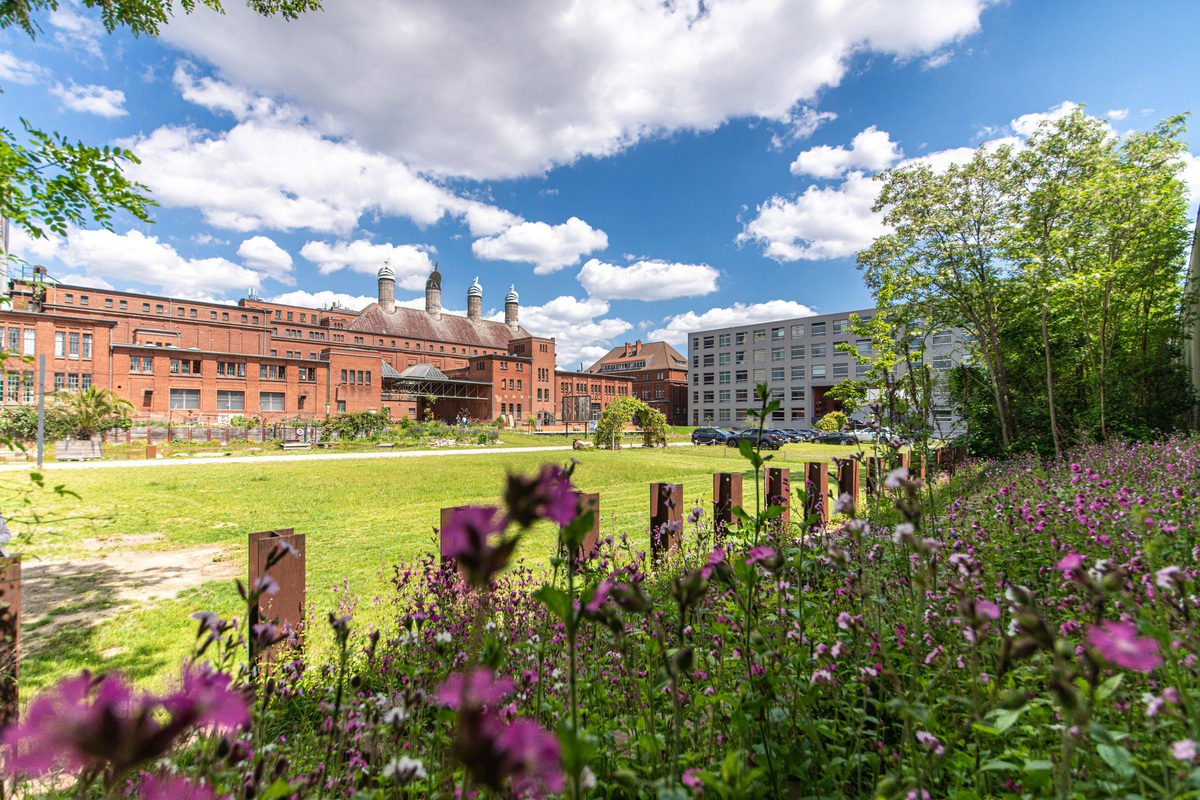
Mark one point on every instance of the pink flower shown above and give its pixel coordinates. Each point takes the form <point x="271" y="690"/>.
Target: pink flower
<point x="206" y="699"/>
<point x="1184" y="750"/>
<point x="1070" y="562"/>
<point x="986" y="608"/>
<point x="1119" y="643"/>
<point x="600" y="595"/>
<point x="531" y="758"/>
<point x="474" y="690"/>
<point x="718" y="555"/>
<point x="172" y="788"/>
<point x="1167" y="577"/>
<point x="929" y="740"/>
<point x="549" y="495"/>
<point x="691" y="779"/>
<point x="844" y="620"/>
<point x="466" y="539"/>
<point x="760" y="555"/>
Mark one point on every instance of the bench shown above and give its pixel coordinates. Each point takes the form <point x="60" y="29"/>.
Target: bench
<point x="385" y="445"/>
<point x="295" y="445"/>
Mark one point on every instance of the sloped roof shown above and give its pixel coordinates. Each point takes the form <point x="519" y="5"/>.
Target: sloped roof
<point x="425" y="372"/>
<point x="657" y="355"/>
<point x="414" y="323"/>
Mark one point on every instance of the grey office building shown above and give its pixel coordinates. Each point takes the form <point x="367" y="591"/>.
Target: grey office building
<point x="800" y="360"/>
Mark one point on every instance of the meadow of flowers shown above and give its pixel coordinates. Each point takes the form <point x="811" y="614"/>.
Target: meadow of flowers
<point x="1021" y="630"/>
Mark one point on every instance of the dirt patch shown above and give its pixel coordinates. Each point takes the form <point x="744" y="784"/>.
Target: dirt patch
<point x="86" y="591"/>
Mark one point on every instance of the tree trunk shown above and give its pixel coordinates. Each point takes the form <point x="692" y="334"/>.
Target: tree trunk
<point x="1050" y="382"/>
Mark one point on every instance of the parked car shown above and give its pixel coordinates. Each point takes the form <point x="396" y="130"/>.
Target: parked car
<point x="803" y="434"/>
<point x="787" y="436"/>
<point x="835" y="438"/>
<point x="710" y="436"/>
<point x="770" y="441"/>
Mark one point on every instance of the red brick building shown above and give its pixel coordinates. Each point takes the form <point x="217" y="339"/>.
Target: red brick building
<point x="177" y="359"/>
<point x="659" y="373"/>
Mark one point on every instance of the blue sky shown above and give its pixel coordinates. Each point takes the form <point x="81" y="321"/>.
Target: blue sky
<point x="636" y="169"/>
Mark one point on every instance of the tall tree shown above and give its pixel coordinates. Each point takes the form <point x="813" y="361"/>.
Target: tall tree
<point x="946" y="255"/>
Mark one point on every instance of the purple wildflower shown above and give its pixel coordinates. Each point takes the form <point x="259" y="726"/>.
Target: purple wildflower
<point x="173" y="788"/>
<point x="474" y="690"/>
<point x="549" y="494"/>
<point x="531" y="758"/>
<point x="760" y="555"/>
<point x="466" y="539"/>
<point x="1184" y="750"/>
<point x="1119" y="643"/>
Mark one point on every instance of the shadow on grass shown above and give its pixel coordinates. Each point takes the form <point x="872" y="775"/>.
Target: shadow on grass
<point x="70" y="649"/>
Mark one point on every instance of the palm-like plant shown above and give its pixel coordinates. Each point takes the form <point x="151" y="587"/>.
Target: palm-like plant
<point x="91" y="408"/>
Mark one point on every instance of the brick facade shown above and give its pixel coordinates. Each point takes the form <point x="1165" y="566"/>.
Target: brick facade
<point x="659" y="373"/>
<point x="176" y="359"/>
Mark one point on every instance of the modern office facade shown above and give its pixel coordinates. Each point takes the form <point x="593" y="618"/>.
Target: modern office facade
<point x="801" y="360"/>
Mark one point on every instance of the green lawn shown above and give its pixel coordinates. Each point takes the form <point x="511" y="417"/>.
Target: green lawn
<point x="358" y="516"/>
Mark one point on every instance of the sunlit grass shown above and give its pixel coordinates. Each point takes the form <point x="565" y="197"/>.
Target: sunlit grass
<point x="357" y="516"/>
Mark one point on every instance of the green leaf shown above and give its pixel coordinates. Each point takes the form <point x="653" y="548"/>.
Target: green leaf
<point x="556" y="600"/>
<point x="1106" y="689"/>
<point x="1038" y="766"/>
<point x="1118" y="758"/>
<point x="997" y="764"/>
<point x="279" y="788"/>
<point x="1006" y="718"/>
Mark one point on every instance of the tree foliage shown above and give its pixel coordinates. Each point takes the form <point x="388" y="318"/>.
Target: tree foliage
<point x="1062" y="260"/>
<point x="832" y="422"/>
<point x="621" y="412"/>
<point x="92" y="409"/>
<point x="47" y="182"/>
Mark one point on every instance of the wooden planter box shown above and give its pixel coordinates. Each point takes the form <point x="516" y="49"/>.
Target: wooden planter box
<point x="77" y="449"/>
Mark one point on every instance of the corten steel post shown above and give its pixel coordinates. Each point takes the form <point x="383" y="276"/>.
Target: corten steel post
<point x="447" y="516"/>
<point x="876" y="472"/>
<point x="916" y="466"/>
<point x="816" y="482"/>
<point x="285" y="608"/>
<point x="848" y="478"/>
<point x="960" y="453"/>
<point x="10" y="638"/>
<point x="779" y="493"/>
<point x="727" y="493"/>
<point x="666" y="517"/>
<point x="904" y="460"/>
<point x="590" y="501"/>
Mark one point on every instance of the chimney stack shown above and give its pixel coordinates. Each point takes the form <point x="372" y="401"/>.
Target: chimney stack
<point x="510" y="309"/>
<point x="475" y="302"/>
<point x="387" y="288"/>
<point x="433" y="293"/>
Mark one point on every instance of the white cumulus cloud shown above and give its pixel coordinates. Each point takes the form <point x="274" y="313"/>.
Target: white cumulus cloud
<point x="98" y="255"/>
<point x="678" y="327"/>
<point x="323" y="299"/>
<point x="262" y="254"/>
<point x="91" y="99"/>
<point x="16" y="70"/>
<point x="823" y="222"/>
<point x="411" y="263"/>
<point x="871" y="150"/>
<point x="647" y="280"/>
<point x="579" y="327"/>
<point x="505" y="89"/>
<point x="548" y="247"/>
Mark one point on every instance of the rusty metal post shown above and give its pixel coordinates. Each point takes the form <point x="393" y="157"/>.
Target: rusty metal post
<point x="816" y="482"/>
<point x="151" y="451"/>
<point x="727" y="493"/>
<point x="960" y="453"/>
<point x="666" y="518"/>
<point x="447" y="516"/>
<point x="904" y="459"/>
<point x="848" y="480"/>
<point x="285" y="608"/>
<point x="779" y="493"/>
<point x="10" y="638"/>
<point x="876" y="472"/>
<point x="590" y="501"/>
